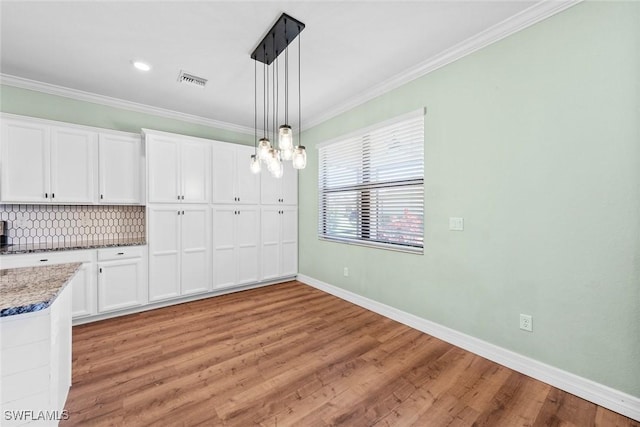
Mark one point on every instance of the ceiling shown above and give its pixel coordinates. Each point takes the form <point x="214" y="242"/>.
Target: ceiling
<point x="349" y="48"/>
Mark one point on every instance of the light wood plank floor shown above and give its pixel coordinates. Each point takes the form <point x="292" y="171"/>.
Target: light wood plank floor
<point x="290" y="355"/>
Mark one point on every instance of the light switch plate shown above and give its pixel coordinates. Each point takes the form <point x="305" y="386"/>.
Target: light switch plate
<point x="456" y="224"/>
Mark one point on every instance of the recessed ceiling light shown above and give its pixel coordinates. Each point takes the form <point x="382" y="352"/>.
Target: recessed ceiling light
<point x="142" y="66"/>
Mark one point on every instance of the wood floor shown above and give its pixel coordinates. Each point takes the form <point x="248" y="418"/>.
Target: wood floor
<point x="290" y="355"/>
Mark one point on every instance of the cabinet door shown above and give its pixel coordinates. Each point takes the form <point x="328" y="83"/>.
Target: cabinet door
<point x="119" y="284"/>
<point x="120" y="158"/>
<point x="24" y="161"/>
<point x="84" y="300"/>
<point x="270" y="242"/>
<point x="247" y="183"/>
<point x="164" y="252"/>
<point x="195" y="157"/>
<point x="224" y="246"/>
<point x="289" y="182"/>
<point x="270" y="188"/>
<point x="223" y="173"/>
<point x="248" y="244"/>
<point x="73" y="165"/>
<point x="162" y="166"/>
<point x="289" y="241"/>
<point x="196" y="249"/>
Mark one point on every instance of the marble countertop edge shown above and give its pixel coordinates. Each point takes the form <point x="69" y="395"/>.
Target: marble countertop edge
<point x="31" y="289"/>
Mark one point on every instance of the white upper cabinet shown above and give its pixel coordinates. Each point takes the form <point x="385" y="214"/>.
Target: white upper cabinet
<point x="47" y="164"/>
<point x="120" y="169"/>
<point x="73" y="165"/>
<point x="280" y="191"/>
<point x="233" y="182"/>
<point x="25" y="161"/>
<point x="178" y="168"/>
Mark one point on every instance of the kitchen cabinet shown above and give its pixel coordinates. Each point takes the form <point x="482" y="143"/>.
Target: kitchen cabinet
<point x="84" y="294"/>
<point x="279" y="242"/>
<point x="178" y="168"/>
<point x="42" y="163"/>
<point x="233" y="181"/>
<point x="279" y="191"/>
<point x="121" y="278"/>
<point x="120" y="157"/>
<point x="179" y="250"/>
<point x="35" y="359"/>
<point x="236" y="245"/>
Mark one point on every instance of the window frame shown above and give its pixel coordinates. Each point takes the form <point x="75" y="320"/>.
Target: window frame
<point x="367" y="225"/>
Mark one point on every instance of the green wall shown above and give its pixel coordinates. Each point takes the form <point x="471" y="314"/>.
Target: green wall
<point x="37" y="104"/>
<point x="535" y="142"/>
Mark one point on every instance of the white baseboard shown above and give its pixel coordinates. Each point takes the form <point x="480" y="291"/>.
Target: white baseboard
<point x="592" y="391"/>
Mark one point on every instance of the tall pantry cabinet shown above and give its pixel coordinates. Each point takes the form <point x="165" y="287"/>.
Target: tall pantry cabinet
<point x="236" y="217"/>
<point x="179" y="215"/>
<point x="212" y="224"/>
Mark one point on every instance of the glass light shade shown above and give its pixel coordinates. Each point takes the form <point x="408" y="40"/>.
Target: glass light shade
<point x="285" y="138"/>
<point x="273" y="158"/>
<point x="263" y="148"/>
<point x="278" y="170"/>
<point x="255" y="164"/>
<point x="299" y="157"/>
<point x="287" y="154"/>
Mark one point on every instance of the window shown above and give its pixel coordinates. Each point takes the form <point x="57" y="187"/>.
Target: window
<point x="371" y="186"/>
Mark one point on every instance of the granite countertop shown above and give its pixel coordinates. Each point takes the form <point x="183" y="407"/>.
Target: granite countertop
<point x="68" y="246"/>
<point x="27" y="289"/>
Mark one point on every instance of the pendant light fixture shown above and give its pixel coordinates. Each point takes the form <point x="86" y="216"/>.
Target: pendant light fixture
<point x="275" y="42"/>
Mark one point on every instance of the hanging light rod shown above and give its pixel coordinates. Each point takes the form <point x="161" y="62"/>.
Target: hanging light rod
<point x="283" y="32"/>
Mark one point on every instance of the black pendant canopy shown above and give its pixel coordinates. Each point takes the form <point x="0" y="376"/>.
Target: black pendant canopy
<point x="283" y="32"/>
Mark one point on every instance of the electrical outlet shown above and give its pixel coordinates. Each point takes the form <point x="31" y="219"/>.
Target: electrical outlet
<point x="526" y="322"/>
<point x="456" y="224"/>
<point x="345" y="272"/>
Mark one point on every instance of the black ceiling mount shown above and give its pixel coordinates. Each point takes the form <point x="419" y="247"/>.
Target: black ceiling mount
<point x="283" y="32"/>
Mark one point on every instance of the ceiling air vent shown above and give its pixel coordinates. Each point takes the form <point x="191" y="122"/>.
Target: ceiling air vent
<point x="192" y="80"/>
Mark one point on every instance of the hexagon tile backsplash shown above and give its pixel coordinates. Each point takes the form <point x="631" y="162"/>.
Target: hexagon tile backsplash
<point x="58" y="224"/>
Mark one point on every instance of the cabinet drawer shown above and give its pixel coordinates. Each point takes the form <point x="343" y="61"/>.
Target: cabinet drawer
<point x="46" y="258"/>
<point x="121" y="252"/>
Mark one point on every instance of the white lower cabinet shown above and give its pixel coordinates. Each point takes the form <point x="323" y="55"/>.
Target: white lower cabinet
<point x="179" y="250"/>
<point x="84" y="296"/>
<point x="121" y="278"/>
<point x="279" y="252"/>
<point x="236" y="245"/>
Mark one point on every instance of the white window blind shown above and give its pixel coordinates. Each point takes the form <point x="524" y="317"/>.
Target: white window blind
<point x="371" y="186"/>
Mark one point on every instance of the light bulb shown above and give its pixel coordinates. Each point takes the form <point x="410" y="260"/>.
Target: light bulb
<point x="285" y="140"/>
<point x="273" y="158"/>
<point x="263" y="148"/>
<point x="255" y="164"/>
<point x="299" y="157"/>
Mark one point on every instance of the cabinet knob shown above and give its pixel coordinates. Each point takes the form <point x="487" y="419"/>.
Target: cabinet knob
<point x="120" y="253"/>
<point x="178" y="197"/>
<point x="100" y="269"/>
<point x="182" y="197"/>
<point x="53" y="195"/>
<point x="46" y="195"/>
<point x="44" y="260"/>
<point x="101" y="196"/>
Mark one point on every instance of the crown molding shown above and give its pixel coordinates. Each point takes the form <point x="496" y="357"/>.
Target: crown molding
<point x="532" y="15"/>
<point x="80" y="95"/>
